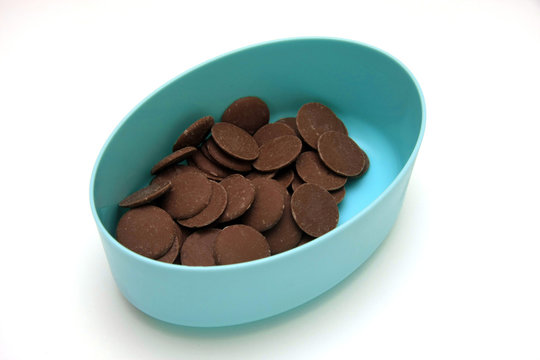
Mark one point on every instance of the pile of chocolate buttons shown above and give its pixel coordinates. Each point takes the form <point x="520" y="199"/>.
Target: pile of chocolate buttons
<point x="250" y="190"/>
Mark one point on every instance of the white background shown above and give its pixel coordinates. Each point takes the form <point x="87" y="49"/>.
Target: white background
<point x="458" y="278"/>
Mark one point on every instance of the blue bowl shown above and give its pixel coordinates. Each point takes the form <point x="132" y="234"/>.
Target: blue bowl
<point x="373" y="93"/>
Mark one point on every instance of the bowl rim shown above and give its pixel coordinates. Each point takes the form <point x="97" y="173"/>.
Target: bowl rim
<point x="281" y="256"/>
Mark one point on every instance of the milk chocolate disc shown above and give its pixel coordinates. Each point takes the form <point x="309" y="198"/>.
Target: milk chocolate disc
<point x="240" y="243"/>
<point x="249" y="113"/>
<point x="173" y="158"/>
<point x="286" y="234"/>
<point x="198" y="249"/>
<point x="314" y="209"/>
<point x="173" y="252"/>
<point x="189" y="194"/>
<point x="272" y="131"/>
<point x="209" y="167"/>
<point x="290" y="122"/>
<point x="338" y="194"/>
<point x="218" y="202"/>
<point x="235" y="141"/>
<point x="145" y="195"/>
<point x="341" y="154"/>
<point x="225" y="160"/>
<point x="169" y="173"/>
<point x="314" y="119"/>
<point x="285" y="176"/>
<point x="311" y="169"/>
<point x="278" y="153"/>
<point x="146" y="230"/>
<point x="267" y="208"/>
<point x="195" y="133"/>
<point x="240" y="196"/>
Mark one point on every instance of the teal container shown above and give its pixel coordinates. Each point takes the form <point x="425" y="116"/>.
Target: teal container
<point x="373" y="93"/>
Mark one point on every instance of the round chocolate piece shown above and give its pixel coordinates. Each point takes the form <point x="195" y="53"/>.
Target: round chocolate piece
<point x="169" y="173"/>
<point x="285" y="177"/>
<point x="338" y="194"/>
<point x="278" y="153"/>
<point x="341" y="154"/>
<point x="173" y="252"/>
<point x="208" y="166"/>
<point x="256" y="174"/>
<point x="145" y="195"/>
<point x="173" y="158"/>
<point x="314" y="209"/>
<point x="189" y="194"/>
<point x="240" y="243"/>
<point x="235" y="141"/>
<point x="272" y="131"/>
<point x="195" y="133"/>
<point x="249" y="113"/>
<point x="146" y="230"/>
<point x="240" y="196"/>
<point x="312" y="170"/>
<point x="314" y="119"/>
<point x="218" y="202"/>
<point x="267" y="208"/>
<point x="296" y="182"/>
<point x="290" y="122"/>
<point x="286" y="234"/>
<point x="198" y="249"/>
<point x="225" y="160"/>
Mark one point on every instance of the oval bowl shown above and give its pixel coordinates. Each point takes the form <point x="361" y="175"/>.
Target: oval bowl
<point x="373" y="93"/>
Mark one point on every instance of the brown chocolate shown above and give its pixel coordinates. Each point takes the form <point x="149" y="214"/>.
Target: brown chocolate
<point x="240" y="196"/>
<point x="341" y="154"/>
<point x="173" y="158"/>
<point x="290" y="122"/>
<point x="311" y="169"/>
<point x="286" y="234"/>
<point x="235" y="141"/>
<point x="272" y="131"/>
<point x="195" y="133"/>
<point x="209" y="167"/>
<point x="267" y="208"/>
<point x="338" y="194"/>
<point x="314" y="119"/>
<point x="225" y="160"/>
<point x="198" y="249"/>
<point x="169" y="173"/>
<point x="249" y="113"/>
<point x="285" y="176"/>
<point x="171" y="255"/>
<point x="146" y="230"/>
<point x="278" y="153"/>
<point x="240" y="243"/>
<point x="218" y="202"/>
<point x="257" y="174"/>
<point x="314" y="209"/>
<point x="189" y="194"/>
<point x="296" y="181"/>
<point x="304" y="240"/>
<point x="145" y="195"/>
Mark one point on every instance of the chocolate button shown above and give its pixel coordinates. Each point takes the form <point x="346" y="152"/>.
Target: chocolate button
<point x="209" y="167"/>
<point x="272" y="131"/>
<point x="314" y="119"/>
<point x="225" y="160"/>
<point x="195" y="133"/>
<point x="286" y="234"/>
<point x="189" y="194"/>
<point x="341" y="154"/>
<point x="278" y="153"/>
<point x="146" y="194"/>
<point x="268" y="205"/>
<point x="218" y="202"/>
<point x="338" y="194"/>
<point x="240" y="196"/>
<point x="290" y="122"/>
<point x="311" y="169"/>
<point x="146" y="230"/>
<point x="173" y="158"/>
<point x="198" y="249"/>
<point x="296" y="182"/>
<point x="235" y="141"/>
<point x="169" y="173"/>
<point x="285" y="177"/>
<point x="256" y="174"/>
<point x="314" y="209"/>
<point x="249" y="113"/>
<point x="173" y="252"/>
<point x="240" y="243"/>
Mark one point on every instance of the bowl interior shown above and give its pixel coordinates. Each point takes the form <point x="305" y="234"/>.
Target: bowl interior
<point x="371" y="92"/>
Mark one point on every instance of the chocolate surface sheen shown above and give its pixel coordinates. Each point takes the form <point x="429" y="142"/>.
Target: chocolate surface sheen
<point x="240" y="243"/>
<point x="218" y="202"/>
<point x="286" y="234"/>
<point x="314" y="119"/>
<point x="240" y="196"/>
<point x="267" y="208"/>
<point x="198" y="249"/>
<point x="195" y="133"/>
<point x="311" y="169"/>
<point x="278" y="153"/>
<point x="341" y="154"/>
<point x="235" y="141"/>
<point x="314" y="210"/>
<point x="272" y="131"/>
<point x="249" y="113"/>
<point x="146" y="230"/>
<point x="146" y="194"/>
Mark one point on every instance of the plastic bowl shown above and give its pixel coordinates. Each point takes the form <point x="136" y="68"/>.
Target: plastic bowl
<point x="373" y="93"/>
